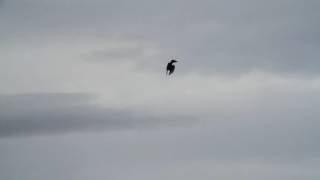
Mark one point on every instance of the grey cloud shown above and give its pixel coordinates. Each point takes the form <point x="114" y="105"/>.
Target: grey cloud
<point x="253" y="131"/>
<point x="116" y="54"/>
<point x="33" y="114"/>
<point x="141" y="56"/>
<point x="228" y="37"/>
<point x="284" y="132"/>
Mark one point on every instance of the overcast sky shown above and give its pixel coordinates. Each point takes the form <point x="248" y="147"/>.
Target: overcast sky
<point x="83" y="91"/>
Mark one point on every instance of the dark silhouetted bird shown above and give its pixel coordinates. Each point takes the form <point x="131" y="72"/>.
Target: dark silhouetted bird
<point x="171" y="67"/>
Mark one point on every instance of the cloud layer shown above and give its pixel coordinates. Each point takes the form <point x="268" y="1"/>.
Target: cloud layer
<point x="83" y="92"/>
<point x="38" y="114"/>
<point x="210" y="36"/>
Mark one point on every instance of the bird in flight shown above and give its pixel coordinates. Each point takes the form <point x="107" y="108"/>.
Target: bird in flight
<point x="171" y="67"/>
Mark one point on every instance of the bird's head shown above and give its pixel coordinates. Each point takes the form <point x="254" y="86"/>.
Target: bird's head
<point x="173" y="61"/>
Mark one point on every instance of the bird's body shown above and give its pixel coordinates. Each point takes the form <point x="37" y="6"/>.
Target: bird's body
<point x="171" y="67"/>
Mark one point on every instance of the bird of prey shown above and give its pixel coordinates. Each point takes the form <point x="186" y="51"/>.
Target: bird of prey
<point x="171" y="67"/>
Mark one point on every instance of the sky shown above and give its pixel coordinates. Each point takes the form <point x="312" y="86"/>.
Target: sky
<point x="84" y="95"/>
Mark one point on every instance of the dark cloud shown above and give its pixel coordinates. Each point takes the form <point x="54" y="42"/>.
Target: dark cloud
<point x="32" y="114"/>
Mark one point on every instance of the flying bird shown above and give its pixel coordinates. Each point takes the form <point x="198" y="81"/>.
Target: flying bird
<point x="171" y="67"/>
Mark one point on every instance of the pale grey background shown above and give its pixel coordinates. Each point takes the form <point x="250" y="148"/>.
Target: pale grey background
<point x="83" y="91"/>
